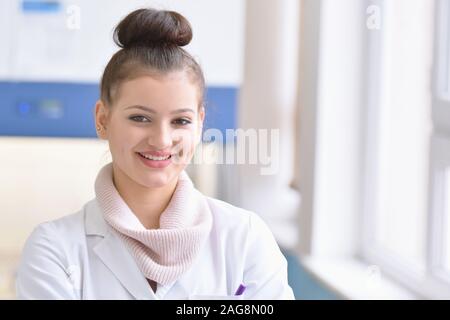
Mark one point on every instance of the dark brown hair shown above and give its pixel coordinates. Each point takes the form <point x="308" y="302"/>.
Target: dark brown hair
<point x="150" y="42"/>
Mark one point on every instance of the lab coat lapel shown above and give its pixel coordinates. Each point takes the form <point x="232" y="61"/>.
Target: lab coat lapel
<point x="112" y="251"/>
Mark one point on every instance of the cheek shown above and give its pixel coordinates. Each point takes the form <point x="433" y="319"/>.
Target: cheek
<point x="123" y="138"/>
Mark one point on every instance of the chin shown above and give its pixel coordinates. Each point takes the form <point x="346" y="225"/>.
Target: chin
<point x="155" y="179"/>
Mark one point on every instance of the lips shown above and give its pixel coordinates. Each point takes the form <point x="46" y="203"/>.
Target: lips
<point x="154" y="162"/>
<point x="154" y="157"/>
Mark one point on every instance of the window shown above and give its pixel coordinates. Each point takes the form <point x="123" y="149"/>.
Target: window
<point x="402" y="119"/>
<point x="407" y="215"/>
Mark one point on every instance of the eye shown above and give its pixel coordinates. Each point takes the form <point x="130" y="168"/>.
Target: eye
<point x="182" y="122"/>
<point x="139" y="119"/>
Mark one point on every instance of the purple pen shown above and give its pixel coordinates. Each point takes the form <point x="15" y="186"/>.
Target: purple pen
<point x="240" y="290"/>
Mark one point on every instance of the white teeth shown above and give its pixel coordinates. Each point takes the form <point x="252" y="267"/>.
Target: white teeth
<point x="155" y="158"/>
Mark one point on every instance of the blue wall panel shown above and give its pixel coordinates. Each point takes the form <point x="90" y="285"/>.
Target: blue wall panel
<point x="67" y="109"/>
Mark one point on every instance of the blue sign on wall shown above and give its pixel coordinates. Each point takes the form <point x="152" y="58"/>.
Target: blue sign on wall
<point x="40" y="6"/>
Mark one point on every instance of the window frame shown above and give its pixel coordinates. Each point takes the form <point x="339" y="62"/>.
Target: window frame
<point x="427" y="282"/>
<point x="438" y="278"/>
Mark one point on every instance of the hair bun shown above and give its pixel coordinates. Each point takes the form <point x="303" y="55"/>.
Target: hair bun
<point x="150" y="27"/>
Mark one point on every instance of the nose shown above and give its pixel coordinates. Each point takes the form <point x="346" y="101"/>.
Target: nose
<point x="161" y="137"/>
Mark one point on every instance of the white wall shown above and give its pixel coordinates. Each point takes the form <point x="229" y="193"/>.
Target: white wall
<point x="267" y="102"/>
<point x="43" y="179"/>
<point x="330" y="147"/>
<point x="42" y="48"/>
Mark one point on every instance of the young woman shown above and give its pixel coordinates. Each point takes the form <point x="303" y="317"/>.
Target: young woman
<point x="148" y="233"/>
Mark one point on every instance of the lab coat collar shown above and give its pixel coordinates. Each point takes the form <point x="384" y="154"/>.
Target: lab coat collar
<point x="94" y="222"/>
<point x="113" y="252"/>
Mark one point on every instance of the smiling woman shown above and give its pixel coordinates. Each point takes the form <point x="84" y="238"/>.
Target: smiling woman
<point x="149" y="233"/>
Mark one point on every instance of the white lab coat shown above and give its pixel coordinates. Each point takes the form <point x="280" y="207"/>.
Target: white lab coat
<point x="81" y="257"/>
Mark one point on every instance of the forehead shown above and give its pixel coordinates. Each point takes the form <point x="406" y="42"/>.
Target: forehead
<point x="162" y="93"/>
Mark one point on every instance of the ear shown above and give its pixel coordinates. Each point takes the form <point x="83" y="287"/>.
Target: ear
<point x="101" y="119"/>
<point x="201" y="116"/>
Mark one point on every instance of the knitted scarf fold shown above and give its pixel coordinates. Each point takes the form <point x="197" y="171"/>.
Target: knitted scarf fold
<point x="163" y="254"/>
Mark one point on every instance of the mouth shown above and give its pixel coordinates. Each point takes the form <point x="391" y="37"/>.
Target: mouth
<point x="155" y="162"/>
<point x="154" y="158"/>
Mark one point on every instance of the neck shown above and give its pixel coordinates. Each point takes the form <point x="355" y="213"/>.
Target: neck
<point x="146" y="203"/>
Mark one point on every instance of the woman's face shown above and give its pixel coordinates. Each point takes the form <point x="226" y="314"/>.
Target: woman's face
<point x="153" y="127"/>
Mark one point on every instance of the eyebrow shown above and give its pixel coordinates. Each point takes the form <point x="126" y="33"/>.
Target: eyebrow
<point x="153" y="111"/>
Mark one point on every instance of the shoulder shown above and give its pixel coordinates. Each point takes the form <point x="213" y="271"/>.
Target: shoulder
<point x="237" y="218"/>
<point x="60" y="233"/>
<point x="229" y="214"/>
<point x="220" y="207"/>
<point x="65" y="227"/>
<point x="47" y="256"/>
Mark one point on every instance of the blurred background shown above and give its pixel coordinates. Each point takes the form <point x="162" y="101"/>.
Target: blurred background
<point x="357" y="91"/>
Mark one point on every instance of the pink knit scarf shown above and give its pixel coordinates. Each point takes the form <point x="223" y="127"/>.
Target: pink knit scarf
<point x="163" y="254"/>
